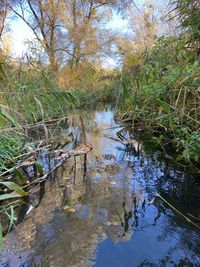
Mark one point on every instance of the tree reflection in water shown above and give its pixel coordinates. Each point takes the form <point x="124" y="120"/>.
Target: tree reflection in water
<point x="113" y="224"/>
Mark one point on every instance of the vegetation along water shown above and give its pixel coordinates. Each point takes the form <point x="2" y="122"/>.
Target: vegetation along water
<point x="100" y="133"/>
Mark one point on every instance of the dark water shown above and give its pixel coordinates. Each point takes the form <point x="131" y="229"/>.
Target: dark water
<point x="112" y="223"/>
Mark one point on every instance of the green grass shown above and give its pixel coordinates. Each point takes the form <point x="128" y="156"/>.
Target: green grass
<point x="11" y="146"/>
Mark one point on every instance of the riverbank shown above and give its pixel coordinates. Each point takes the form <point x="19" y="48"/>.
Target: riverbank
<point x="161" y="98"/>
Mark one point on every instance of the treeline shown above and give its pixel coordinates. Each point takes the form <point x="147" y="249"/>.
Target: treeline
<point x="66" y="32"/>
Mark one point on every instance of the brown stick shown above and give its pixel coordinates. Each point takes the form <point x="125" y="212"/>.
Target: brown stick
<point x="38" y="123"/>
<point x="83" y="130"/>
<point x="23" y="155"/>
<point x="177" y="211"/>
<point x="73" y="152"/>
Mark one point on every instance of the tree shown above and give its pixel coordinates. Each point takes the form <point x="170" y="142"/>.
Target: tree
<point x="68" y="31"/>
<point x="42" y="17"/>
<point x="147" y="22"/>
<point x="85" y="21"/>
<point x="144" y="23"/>
<point x="143" y="30"/>
<point x="3" y="15"/>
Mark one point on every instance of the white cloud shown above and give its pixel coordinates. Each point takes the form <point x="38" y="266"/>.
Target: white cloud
<point x="117" y="23"/>
<point x="20" y="33"/>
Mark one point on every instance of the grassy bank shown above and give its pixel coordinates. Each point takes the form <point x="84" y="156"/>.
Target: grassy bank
<point x="30" y="94"/>
<point x="163" y="98"/>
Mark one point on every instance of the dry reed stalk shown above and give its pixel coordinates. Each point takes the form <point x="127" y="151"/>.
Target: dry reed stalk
<point x="177" y="211"/>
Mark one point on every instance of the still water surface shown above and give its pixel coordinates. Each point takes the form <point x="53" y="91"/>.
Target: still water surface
<point x="113" y="223"/>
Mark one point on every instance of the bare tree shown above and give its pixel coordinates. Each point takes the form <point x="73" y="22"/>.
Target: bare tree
<point x="68" y="31"/>
<point x="42" y="17"/>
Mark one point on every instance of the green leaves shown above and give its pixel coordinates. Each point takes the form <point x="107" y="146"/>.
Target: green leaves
<point x="18" y="191"/>
<point x="166" y="107"/>
<point x="11" y="145"/>
<point x="9" y="196"/>
<point x="39" y="168"/>
<point x="21" y="178"/>
<point x="9" y="212"/>
<point x="168" y="96"/>
<point x="189" y="13"/>
<point x="11" y="216"/>
<point x="9" y="116"/>
<point x="163" y="105"/>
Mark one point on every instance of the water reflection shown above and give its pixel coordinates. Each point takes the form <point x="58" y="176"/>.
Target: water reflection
<point x="113" y="223"/>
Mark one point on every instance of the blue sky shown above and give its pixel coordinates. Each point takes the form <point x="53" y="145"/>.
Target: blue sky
<point x="21" y="32"/>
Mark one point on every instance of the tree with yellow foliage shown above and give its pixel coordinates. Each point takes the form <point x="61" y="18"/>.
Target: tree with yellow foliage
<point x="69" y="31"/>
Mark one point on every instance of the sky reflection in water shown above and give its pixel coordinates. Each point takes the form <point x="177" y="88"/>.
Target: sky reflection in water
<point x="113" y="223"/>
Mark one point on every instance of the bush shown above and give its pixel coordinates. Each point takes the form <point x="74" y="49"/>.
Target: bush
<point x="165" y="95"/>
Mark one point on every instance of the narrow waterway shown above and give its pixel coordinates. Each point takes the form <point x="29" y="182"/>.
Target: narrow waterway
<point x="110" y="219"/>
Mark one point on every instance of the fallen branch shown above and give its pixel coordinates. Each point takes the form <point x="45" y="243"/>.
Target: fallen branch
<point x="114" y="139"/>
<point x="74" y="152"/>
<point x="39" y="123"/>
<point x="21" y="163"/>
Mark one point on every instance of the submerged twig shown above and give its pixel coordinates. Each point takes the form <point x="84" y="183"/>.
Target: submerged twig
<point x="83" y="130"/>
<point x="39" y="123"/>
<point x="32" y="152"/>
<point x="44" y="177"/>
<point x="74" y="152"/>
<point x="114" y="139"/>
<point x="179" y="212"/>
<point x="194" y="217"/>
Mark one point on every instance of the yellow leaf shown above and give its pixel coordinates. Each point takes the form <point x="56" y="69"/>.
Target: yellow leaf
<point x="69" y="209"/>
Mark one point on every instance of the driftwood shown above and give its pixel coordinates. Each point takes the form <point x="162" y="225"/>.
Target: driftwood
<point x="82" y="149"/>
